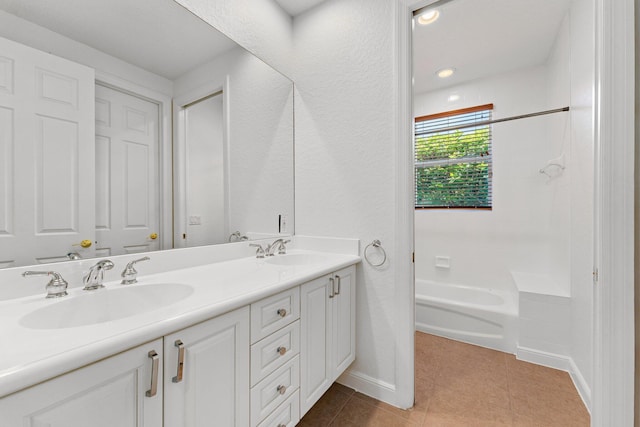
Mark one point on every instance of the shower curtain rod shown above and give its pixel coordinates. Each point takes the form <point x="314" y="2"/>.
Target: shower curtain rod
<point x="490" y="122"/>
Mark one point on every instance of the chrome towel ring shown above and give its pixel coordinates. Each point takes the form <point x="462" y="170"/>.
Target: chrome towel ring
<point x="376" y="244"/>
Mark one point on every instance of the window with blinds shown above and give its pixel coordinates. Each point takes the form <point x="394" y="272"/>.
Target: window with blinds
<point x="453" y="159"/>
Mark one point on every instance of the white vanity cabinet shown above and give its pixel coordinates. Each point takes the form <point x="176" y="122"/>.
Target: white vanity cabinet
<point x="327" y="323"/>
<point x="116" y="391"/>
<point x="275" y="361"/>
<point x="206" y="373"/>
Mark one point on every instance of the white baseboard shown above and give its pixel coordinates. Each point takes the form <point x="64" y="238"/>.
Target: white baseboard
<point x="550" y="360"/>
<point x="370" y="386"/>
<point x="581" y="384"/>
<point x="563" y="363"/>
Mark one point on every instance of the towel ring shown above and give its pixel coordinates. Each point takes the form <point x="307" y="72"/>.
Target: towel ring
<point x="376" y="244"/>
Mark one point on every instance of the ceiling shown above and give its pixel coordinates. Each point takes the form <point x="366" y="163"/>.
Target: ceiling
<point x="296" y="7"/>
<point x="157" y="35"/>
<point x="480" y="38"/>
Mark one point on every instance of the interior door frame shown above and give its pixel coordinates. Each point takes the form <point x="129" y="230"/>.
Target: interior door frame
<point x="165" y="155"/>
<point x="180" y="154"/>
<point x="612" y="402"/>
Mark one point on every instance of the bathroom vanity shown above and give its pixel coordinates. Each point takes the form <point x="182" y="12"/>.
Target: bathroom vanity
<point x="233" y="343"/>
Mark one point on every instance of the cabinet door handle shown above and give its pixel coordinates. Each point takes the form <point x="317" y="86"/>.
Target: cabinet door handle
<point x="338" y="280"/>
<point x="282" y="312"/>
<point x="281" y="350"/>
<point x="282" y="389"/>
<point x="178" y="376"/>
<point x="333" y="284"/>
<point x="155" y="362"/>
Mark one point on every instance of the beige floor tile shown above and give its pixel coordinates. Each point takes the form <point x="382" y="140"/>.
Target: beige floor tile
<point x="461" y="385"/>
<point x="415" y="414"/>
<point x="328" y="407"/>
<point x="358" y="413"/>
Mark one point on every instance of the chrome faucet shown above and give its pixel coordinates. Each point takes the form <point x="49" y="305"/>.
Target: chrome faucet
<point x="129" y="274"/>
<point x="93" y="280"/>
<point x="237" y="237"/>
<point x="57" y="286"/>
<point x="279" y="245"/>
<point x="259" y="251"/>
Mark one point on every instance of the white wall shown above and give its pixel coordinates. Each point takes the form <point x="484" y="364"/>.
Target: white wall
<point x="30" y="34"/>
<point x="260" y="26"/>
<point x="517" y="234"/>
<point x="260" y="151"/>
<point x="206" y="195"/>
<point x="345" y="145"/>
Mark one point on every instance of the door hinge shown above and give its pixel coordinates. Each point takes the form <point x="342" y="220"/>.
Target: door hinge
<point x="596" y="275"/>
<point x="413" y="257"/>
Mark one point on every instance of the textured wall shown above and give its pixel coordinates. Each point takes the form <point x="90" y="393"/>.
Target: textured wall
<point x="345" y="154"/>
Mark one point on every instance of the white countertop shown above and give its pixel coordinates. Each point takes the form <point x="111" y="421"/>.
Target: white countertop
<point x="29" y="356"/>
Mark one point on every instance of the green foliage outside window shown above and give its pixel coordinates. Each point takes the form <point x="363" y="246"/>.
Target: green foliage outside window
<point x="465" y="181"/>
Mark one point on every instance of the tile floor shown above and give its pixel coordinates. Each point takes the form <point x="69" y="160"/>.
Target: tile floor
<point x="462" y="385"/>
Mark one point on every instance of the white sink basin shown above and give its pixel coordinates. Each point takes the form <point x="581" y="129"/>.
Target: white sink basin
<point x="105" y="305"/>
<point x="296" y="259"/>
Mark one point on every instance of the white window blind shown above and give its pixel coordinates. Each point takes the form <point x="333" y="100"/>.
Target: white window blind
<point x="453" y="159"/>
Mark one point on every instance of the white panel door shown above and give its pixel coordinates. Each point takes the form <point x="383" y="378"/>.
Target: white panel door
<point x="112" y="392"/>
<point x="127" y="173"/>
<point x="316" y="373"/>
<point x="47" y="152"/>
<point x="344" y="320"/>
<point x="214" y="387"/>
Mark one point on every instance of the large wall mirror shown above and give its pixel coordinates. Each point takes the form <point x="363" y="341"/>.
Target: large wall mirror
<point x="135" y="126"/>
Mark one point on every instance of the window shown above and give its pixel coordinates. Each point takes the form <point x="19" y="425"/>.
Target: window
<point x="453" y="159"/>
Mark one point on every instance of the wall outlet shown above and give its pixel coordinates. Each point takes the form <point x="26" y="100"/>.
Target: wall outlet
<point x="195" y="220"/>
<point x="443" y="262"/>
<point x="283" y="223"/>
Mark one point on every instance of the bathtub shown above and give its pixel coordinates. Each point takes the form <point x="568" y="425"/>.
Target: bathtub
<point x="479" y="316"/>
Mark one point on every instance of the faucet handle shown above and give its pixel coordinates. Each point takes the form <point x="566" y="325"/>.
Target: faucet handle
<point x="129" y="274"/>
<point x="282" y="250"/>
<point x="57" y="286"/>
<point x="259" y="251"/>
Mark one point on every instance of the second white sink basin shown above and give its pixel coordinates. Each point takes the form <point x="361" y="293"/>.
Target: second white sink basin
<point x="105" y="305"/>
<point x="296" y="259"/>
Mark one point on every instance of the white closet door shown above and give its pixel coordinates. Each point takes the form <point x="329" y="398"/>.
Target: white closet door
<point x="127" y="177"/>
<point x="46" y="156"/>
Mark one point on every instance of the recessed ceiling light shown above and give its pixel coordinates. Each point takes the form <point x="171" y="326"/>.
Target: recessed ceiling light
<point x="445" y="72"/>
<point x="453" y="97"/>
<point x="429" y="17"/>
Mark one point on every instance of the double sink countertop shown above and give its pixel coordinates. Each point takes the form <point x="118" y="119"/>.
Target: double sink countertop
<point x="42" y="340"/>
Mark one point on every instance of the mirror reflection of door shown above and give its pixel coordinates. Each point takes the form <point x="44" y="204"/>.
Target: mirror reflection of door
<point x="127" y="176"/>
<point x="206" y="193"/>
<point x="46" y="156"/>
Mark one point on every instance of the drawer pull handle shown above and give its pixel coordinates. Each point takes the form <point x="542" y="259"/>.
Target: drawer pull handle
<point x="332" y="292"/>
<point x="282" y="350"/>
<point x="282" y="312"/>
<point x="178" y="376"/>
<point x="338" y="280"/>
<point x="155" y="362"/>
<point x="282" y="389"/>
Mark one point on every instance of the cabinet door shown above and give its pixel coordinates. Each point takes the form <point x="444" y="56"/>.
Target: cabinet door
<point x="112" y="392"/>
<point x="214" y="386"/>
<point x="344" y="320"/>
<point x="316" y="374"/>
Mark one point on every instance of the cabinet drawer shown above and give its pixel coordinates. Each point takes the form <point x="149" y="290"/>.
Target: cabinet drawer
<point x="274" y="390"/>
<point x="267" y="354"/>
<point x="270" y="314"/>
<point x="286" y="415"/>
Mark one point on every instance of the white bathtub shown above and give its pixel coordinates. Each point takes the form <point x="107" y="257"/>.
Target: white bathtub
<point x="478" y="316"/>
